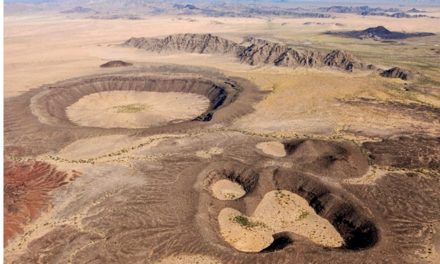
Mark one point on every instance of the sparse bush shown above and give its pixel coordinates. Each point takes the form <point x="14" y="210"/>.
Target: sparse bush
<point x="245" y="222"/>
<point x="130" y="108"/>
<point x="303" y="215"/>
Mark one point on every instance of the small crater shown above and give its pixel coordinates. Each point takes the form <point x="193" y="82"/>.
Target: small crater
<point x="115" y="63"/>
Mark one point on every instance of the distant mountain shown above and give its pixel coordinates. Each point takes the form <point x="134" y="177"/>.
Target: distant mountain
<point x="372" y="11"/>
<point x="230" y="8"/>
<point x="379" y="33"/>
<point x="361" y="10"/>
<point x="415" y="10"/>
<point x="79" y="10"/>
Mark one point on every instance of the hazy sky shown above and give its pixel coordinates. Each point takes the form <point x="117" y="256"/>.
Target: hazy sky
<point x="329" y="2"/>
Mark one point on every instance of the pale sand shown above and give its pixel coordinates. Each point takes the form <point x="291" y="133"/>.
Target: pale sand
<point x="273" y="148"/>
<point x="279" y="211"/>
<point x="189" y="259"/>
<point x="287" y="211"/>
<point x="134" y="109"/>
<point x="41" y="49"/>
<point x="246" y="239"/>
<point x="227" y="190"/>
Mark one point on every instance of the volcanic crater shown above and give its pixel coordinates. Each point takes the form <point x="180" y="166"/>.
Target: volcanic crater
<point x="155" y="99"/>
<point x="51" y="106"/>
<point x="334" y="205"/>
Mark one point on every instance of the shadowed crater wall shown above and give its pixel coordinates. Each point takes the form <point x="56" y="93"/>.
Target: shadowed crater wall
<point x="358" y="231"/>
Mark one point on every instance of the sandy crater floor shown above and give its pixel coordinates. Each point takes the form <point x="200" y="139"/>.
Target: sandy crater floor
<point x="279" y="211"/>
<point x="134" y="109"/>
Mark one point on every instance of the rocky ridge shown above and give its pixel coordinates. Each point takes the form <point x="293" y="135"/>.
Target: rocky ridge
<point x="253" y="52"/>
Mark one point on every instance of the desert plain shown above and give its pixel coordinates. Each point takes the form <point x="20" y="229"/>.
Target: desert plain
<point x="201" y="157"/>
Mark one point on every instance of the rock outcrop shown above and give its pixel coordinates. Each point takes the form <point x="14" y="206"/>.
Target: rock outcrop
<point x="262" y="52"/>
<point x="397" y="72"/>
<point x="343" y="60"/>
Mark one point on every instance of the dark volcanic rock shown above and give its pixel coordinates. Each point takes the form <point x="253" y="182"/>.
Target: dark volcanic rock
<point x="397" y="72"/>
<point x="378" y="33"/>
<point x="115" y="63"/>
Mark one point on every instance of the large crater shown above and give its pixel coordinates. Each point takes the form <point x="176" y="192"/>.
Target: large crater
<point x="142" y="101"/>
<point x="132" y="101"/>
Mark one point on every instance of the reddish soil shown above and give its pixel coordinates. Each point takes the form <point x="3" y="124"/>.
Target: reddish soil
<point x="26" y="192"/>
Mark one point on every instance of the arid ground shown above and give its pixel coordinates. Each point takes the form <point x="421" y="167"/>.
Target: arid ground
<point x="206" y="157"/>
